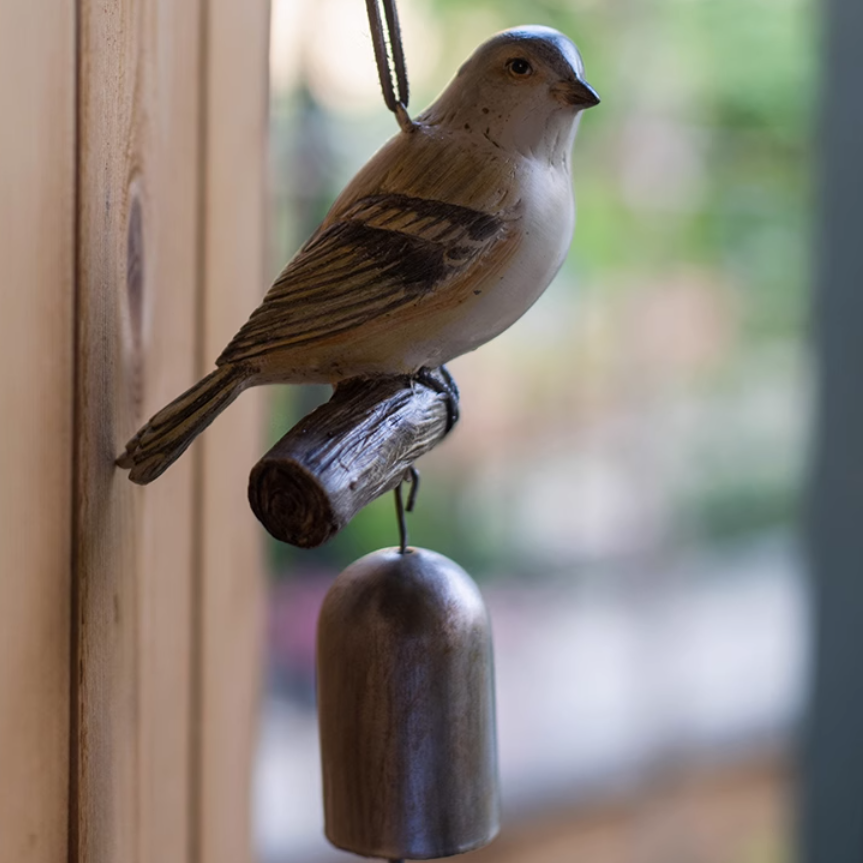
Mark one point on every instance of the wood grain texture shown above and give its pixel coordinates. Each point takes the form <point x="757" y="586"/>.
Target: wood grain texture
<point x="37" y="231"/>
<point x="231" y="586"/>
<point x="138" y="235"/>
<point x="344" y="455"/>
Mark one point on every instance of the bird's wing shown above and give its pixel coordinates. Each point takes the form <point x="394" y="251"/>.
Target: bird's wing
<point x="384" y="252"/>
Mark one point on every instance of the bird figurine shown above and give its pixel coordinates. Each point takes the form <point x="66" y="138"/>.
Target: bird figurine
<point x="446" y="237"/>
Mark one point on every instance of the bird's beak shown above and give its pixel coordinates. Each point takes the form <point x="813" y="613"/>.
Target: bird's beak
<point x="579" y="94"/>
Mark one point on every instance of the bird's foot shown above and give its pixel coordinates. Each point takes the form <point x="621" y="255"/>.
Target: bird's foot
<point x="441" y="381"/>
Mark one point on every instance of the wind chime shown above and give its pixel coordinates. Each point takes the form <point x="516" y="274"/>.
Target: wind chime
<point x="404" y="654"/>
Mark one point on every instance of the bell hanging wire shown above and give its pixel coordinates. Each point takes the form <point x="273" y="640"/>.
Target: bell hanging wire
<point x="412" y="475"/>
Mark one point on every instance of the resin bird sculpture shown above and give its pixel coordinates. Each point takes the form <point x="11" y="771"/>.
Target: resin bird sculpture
<point x="442" y="240"/>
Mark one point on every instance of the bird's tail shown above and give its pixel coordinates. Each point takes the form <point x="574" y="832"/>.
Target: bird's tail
<point x="167" y="435"/>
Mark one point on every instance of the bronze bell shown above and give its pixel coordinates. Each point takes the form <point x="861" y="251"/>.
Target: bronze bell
<point x="406" y="709"/>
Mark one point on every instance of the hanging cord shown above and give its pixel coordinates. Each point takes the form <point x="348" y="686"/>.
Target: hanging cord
<point x="391" y="37"/>
<point x="413" y="476"/>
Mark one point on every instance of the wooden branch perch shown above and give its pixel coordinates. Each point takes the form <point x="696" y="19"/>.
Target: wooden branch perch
<point x="346" y="453"/>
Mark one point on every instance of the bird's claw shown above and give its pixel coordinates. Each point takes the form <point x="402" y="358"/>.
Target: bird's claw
<point x="441" y="381"/>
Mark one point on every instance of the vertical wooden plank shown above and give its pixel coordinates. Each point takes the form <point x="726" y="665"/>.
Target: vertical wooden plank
<point x="231" y="583"/>
<point x="37" y="230"/>
<point x="139" y="129"/>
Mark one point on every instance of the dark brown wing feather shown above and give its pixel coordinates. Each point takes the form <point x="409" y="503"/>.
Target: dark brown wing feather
<point x="385" y="252"/>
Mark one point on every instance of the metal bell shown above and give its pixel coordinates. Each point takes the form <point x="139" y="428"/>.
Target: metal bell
<point x="406" y="709"/>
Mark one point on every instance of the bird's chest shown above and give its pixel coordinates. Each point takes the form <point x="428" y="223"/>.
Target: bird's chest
<point x="544" y="222"/>
<point x="547" y="220"/>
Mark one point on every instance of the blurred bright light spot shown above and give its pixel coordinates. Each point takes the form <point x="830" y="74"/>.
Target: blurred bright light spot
<point x="328" y="46"/>
<point x="287" y="24"/>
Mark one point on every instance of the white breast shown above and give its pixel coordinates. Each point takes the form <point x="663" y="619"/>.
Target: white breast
<point x="546" y="221"/>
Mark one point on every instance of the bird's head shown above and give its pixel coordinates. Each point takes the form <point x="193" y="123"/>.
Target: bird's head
<point x="523" y="89"/>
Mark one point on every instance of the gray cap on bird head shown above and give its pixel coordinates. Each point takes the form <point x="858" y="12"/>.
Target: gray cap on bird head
<point x="557" y="50"/>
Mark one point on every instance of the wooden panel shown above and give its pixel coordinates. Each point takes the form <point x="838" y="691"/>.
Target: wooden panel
<point x="231" y="581"/>
<point x="37" y="230"/>
<point x="139" y="120"/>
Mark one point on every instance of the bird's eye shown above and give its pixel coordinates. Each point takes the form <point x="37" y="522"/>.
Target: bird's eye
<point x="519" y="67"/>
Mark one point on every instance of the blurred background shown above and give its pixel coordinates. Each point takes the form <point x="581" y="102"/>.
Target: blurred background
<point x="625" y="481"/>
